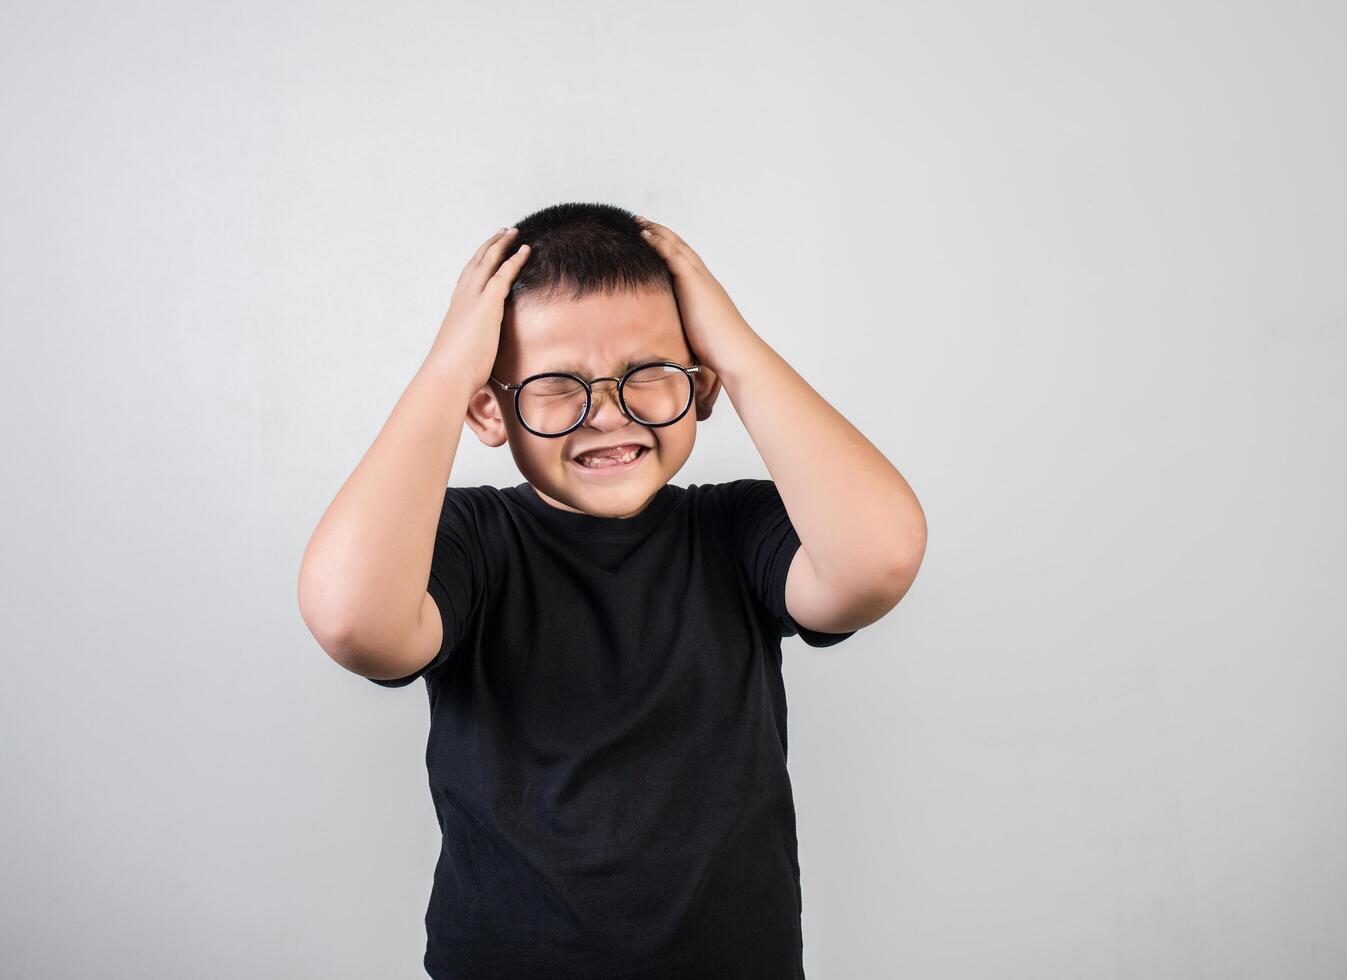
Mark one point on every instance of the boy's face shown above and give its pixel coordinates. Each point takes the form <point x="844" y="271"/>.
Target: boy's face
<point x="596" y="336"/>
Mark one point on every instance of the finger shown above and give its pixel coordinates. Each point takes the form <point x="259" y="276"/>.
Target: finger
<point x="476" y="259"/>
<point x="668" y="246"/>
<point x="491" y="256"/>
<point x="679" y="241"/>
<point x="658" y="241"/>
<point x="504" y="276"/>
<point x="665" y="232"/>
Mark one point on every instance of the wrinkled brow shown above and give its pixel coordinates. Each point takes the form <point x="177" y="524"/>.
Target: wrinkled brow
<point x="631" y="362"/>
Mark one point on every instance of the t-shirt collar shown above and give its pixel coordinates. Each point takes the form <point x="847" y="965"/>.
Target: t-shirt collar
<point x="596" y="526"/>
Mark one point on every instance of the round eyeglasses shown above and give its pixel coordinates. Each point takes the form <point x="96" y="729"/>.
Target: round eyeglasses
<point x="554" y="403"/>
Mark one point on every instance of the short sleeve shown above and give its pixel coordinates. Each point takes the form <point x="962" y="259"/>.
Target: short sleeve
<point x="765" y="542"/>
<point x="457" y="572"/>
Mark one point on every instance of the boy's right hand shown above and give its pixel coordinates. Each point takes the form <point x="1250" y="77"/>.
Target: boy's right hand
<point x="471" y="328"/>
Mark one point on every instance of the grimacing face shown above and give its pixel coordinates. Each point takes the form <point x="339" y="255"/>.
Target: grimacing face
<point x="595" y="336"/>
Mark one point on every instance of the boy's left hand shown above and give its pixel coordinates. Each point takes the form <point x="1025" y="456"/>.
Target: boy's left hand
<point x="711" y="322"/>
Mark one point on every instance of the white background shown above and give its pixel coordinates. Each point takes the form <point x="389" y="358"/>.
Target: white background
<point x="1076" y="269"/>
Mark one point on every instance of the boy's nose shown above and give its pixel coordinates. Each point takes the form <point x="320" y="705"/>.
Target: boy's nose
<point x="605" y="411"/>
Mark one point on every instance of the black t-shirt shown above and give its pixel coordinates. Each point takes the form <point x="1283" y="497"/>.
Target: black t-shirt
<point x="607" y="748"/>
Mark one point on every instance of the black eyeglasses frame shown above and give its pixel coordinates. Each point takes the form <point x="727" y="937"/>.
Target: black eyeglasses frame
<point x="589" y="395"/>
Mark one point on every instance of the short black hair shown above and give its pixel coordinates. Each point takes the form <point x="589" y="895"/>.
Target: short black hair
<point x="577" y="249"/>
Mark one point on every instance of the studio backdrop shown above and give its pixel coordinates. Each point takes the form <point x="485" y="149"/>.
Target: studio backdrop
<point x="1075" y="269"/>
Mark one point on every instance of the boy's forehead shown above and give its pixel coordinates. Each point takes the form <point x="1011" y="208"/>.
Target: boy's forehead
<point x="598" y="332"/>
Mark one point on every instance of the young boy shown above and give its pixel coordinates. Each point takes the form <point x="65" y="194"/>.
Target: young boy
<point x="602" y="648"/>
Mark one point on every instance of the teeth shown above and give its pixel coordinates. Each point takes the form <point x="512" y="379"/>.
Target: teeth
<point x="595" y="462"/>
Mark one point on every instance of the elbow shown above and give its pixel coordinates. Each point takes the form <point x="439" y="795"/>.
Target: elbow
<point x="353" y="628"/>
<point x="327" y="617"/>
<point x="897" y="580"/>
<point x="902" y="569"/>
<point x="343" y="644"/>
<point x="354" y="639"/>
<point x="333" y="634"/>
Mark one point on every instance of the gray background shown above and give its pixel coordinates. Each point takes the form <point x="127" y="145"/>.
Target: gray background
<point x="1076" y="269"/>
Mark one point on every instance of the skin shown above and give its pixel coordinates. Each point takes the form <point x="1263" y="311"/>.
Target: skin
<point x="861" y="528"/>
<point x="599" y="335"/>
<point x="362" y="579"/>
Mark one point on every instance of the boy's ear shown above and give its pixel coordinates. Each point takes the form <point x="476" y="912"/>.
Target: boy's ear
<point x="706" y="386"/>
<point x="484" y="417"/>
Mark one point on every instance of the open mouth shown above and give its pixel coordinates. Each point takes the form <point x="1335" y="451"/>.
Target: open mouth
<point x="612" y="464"/>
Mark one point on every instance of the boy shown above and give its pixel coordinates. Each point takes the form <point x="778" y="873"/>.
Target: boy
<point x="601" y="648"/>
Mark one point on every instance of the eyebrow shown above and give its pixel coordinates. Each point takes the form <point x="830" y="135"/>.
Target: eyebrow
<point x="631" y="362"/>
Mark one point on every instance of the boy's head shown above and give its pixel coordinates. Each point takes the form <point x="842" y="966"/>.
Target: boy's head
<point x="593" y="299"/>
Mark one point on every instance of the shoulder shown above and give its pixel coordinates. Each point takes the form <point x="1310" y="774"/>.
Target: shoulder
<point x="476" y="511"/>
<point x="477" y="499"/>
<point x="730" y="493"/>
<point x="737" y="501"/>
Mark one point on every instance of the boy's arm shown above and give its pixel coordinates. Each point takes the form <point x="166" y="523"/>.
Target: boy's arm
<point x="364" y="575"/>
<point x="862" y="531"/>
<point x="362" y="581"/>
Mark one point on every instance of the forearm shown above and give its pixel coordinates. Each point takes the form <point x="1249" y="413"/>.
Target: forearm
<point x="858" y="519"/>
<point x="364" y="572"/>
